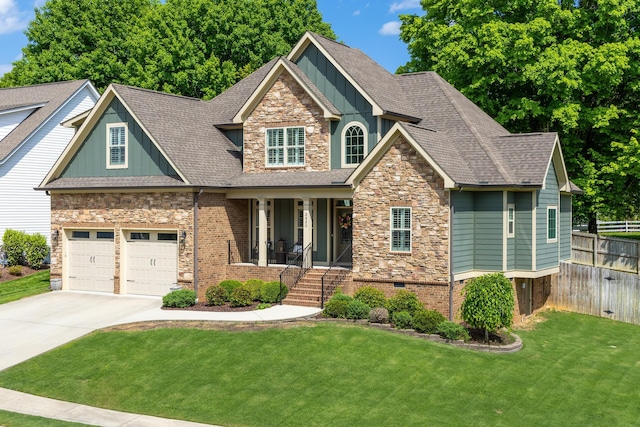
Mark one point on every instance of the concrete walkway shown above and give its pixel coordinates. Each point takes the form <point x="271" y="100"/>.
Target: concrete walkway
<point x="34" y="325"/>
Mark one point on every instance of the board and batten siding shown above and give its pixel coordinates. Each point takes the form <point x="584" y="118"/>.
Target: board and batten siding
<point x="547" y="252"/>
<point x="343" y="95"/>
<point x="144" y="159"/>
<point x="565" y="227"/>
<point x="524" y="230"/>
<point x="488" y="230"/>
<point x="21" y="207"/>
<point x="463" y="231"/>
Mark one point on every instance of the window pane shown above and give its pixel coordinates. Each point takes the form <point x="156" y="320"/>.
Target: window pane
<point x="401" y="229"/>
<point x="354" y="145"/>
<point x="105" y="235"/>
<point x="551" y="232"/>
<point x="80" y="234"/>
<point x="117" y="145"/>
<point x="139" y="236"/>
<point x="168" y="236"/>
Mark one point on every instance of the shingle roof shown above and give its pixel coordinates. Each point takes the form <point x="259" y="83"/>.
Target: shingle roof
<point x="112" y="182"/>
<point x="335" y="177"/>
<point x="53" y="95"/>
<point x="527" y="155"/>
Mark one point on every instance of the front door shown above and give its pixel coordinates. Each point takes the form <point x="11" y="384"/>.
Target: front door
<point x="343" y="232"/>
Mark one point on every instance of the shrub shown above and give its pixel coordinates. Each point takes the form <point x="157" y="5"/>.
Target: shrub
<point x="427" y="321"/>
<point x="379" y="315"/>
<point x="357" y="310"/>
<point x="263" y="305"/>
<point x="337" y="306"/>
<point x="403" y="301"/>
<point x="216" y="295"/>
<point x="180" y="298"/>
<point x="488" y="303"/>
<point x="13" y="246"/>
<point x="230" y="285"/>
<point x="371" y="296"/>
<point x="452" y="331"/>
<point x="240" y="297"/>
<point x="15" y="270"/>
<point x="35" y="250"/>
<point x="270" y="291"/>
<point x="402" y="320"/>
<point x="254" y="285"/>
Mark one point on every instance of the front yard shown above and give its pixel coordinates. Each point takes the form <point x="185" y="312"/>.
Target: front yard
<point x="15" y="288"/>
<point x="573" y="370"/>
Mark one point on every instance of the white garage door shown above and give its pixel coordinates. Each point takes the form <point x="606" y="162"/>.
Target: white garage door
<point x="152" y="262"/>
<point x="91" y="261"/>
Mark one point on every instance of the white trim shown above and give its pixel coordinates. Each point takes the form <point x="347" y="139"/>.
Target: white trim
<point x="285" y="148"/>
<point x="365" y="142"/>
<point x="521" y="274"/>
<point x="555" y="209"/>
<point x="23" y="108"/>
<point x="392" y="229"/>
<point x="505" y="252"/>
<point x="534" y="230"/>
<point x="108" y="146"/>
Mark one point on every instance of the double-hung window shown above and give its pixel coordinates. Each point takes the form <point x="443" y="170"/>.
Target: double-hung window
<point x="552" y="223"/>
<point x="285" y="146"/>
<point x="511" y="220"/>
<point x="401" y="229"/>
<point x="117" y="146"/>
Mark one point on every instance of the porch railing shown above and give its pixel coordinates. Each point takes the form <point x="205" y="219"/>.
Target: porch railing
<point x="296" y="269"/>
<point x="247" y="251"/>
<point x="336" y="277"/>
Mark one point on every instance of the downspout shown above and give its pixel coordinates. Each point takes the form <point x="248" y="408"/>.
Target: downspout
<point x="196" y="196"/>
<point x="451" y="281"/>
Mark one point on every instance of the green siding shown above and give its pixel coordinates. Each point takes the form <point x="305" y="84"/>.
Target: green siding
<point x="235" y="135"/>
<point x="144" y="159"/>
<point x="343" y="95"/>
<point x="463" y="231"/>
<point x="511" y="241"/>
<point x="546" y="253"/>
<point x="283" y="220"/>
<point x="386" y="124"/>
<point x="565" y="226"/>
<point x="524" y="230"/>
<point x="488" y="230"/>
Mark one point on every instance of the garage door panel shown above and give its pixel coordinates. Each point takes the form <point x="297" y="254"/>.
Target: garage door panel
<point x="91" y="265"/>
<point x="152" y="267"/>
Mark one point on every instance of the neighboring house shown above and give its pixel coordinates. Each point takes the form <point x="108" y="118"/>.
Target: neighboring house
<point x="322" y="155"/>
<point x="31" y="140"/>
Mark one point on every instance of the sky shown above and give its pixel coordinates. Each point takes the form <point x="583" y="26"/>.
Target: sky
<point x="369" y="25"/>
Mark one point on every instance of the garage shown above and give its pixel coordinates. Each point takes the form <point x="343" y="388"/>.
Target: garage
<point x="91" y="260"/>
<point x="151" y="262"/>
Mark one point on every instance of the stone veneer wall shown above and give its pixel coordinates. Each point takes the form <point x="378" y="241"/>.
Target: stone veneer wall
<point x="401" y="178"/>
<point x="219" y="220"/>
<point x="286" y="104"/>
<point x="122" y="211"/>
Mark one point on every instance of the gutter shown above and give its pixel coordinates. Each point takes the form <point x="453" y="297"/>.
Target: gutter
<point x="451" y="281"/>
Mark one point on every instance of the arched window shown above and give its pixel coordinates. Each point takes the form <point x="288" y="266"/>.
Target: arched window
<point x="354" y="144"/>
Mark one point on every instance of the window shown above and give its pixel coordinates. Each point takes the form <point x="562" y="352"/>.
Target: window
<point x="140" y="236"/>
<point x="168" y="236"/>
<point x="79" y="234"/>
<point x="401" y="229"/>
<point x="354" y="143"/>
<point x="552" y="223"/>
<point x="105" y="235"/>
<point x="511" y="220"/>
<point x="285" y="147"/>
<point x="117" y="146"/>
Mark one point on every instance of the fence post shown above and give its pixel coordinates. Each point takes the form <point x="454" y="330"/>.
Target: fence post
<point x="595" y="250"/>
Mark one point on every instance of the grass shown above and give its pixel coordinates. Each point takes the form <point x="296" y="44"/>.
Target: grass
<point x="635" y="236"/>
<point x="11" y="419"/>
<point x="34" y="284"/>
<point x="573" y="370"/>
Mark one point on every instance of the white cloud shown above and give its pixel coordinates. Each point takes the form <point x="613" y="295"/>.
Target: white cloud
<point x="390" y="29"/>
<point x="356" y="13"/>
<point x="11" y="18"/>
<point x="404" y="5"/>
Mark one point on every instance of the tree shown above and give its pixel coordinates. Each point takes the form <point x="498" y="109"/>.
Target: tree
<point x="548" y="65"/>
<point x="488" y="303"/>
<point x="195" y="48"/>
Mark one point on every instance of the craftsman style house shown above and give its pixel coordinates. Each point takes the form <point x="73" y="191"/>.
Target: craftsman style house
<point x="320" y="159"/>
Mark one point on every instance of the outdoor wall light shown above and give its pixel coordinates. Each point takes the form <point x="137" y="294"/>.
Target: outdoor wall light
<point x="183" y="236"/>
<point x="54" y="236"/>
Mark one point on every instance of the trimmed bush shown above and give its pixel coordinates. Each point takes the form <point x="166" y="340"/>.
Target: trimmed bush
<point x="371" y="296"/>
<point x="241" y="297"/>
<point x="270" y="291"/>
<point x="357" y="310"/>
<point x="452" y="331"/>
<point x="403" y="301"/>
<point x="379" y="315"/>
<point x="15" y="270"/>
<point x="13" y="246"/>
<point x="337" y="306"/>
<point x="216" y="295"/>
<point x="181" y="298"/>
<point x="402" y="320"/>
<point x="230" y="285"/>
<point x="427" y="321"/>
<point x="254" y="285"/>
<point x="35" y="250"/>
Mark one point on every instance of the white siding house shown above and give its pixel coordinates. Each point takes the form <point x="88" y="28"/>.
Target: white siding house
<point x="31" y="140"/>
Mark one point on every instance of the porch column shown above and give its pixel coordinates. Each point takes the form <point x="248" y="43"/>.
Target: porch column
<point x="307" y="230"/>
<point x="262" y="232"/>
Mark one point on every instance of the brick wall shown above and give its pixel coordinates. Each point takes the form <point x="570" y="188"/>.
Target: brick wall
<point x="124" y="211"/>
<point x="246" y="272"/>
<point x="401" y="178"/>
<point x="286" y="104"/>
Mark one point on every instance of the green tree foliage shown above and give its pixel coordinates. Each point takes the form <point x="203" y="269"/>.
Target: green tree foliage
<point x="488" y="303"/>
<point x="547" y="65"/>
<point x="194" y="48"/>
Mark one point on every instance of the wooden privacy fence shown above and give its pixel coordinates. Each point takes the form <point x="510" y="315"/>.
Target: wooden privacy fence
<point x="598" y="291"/>
<point x="609" y="252"/>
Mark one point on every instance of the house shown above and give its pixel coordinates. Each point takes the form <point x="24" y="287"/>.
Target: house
<point x="320" y="159"/>
<point x="31" y="139"/>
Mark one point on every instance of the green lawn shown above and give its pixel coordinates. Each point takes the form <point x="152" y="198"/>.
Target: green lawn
<point x="573" y="370"/>
<point x="635" y="236"/>
<point x="34" y="284"/>
<point x="11" y="419"/>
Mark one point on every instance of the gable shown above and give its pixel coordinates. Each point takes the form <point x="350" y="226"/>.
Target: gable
<point x="144" y="159"/>
<point x="10" y="120"/>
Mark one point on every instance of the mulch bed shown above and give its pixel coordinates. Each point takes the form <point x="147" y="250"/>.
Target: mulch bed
<point x="202" y="306"/>
<point x="5" y="276"/>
